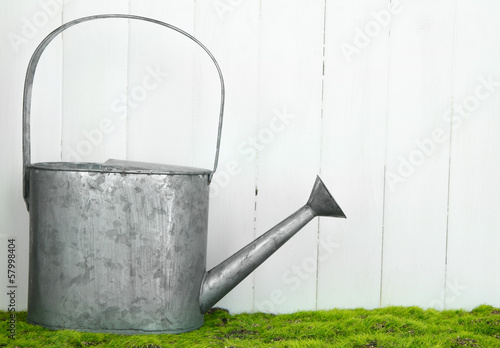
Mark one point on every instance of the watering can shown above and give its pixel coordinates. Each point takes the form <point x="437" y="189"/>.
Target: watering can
<point x="120" y="246"/>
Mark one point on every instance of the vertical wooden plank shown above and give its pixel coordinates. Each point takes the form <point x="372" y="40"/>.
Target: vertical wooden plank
<point x="473" y="275"/>
<point x="22" y="26"/>
<point x="288" y="143"/>
<point x="160" y="89"/>
<point x="416" y="186"/>
<point x="231" y="31"/>
<point x="94" y="78"/>
<point x="353" y="151"/>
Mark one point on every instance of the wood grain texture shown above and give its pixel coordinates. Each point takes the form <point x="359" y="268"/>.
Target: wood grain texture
<point x="353" y="156"/>
<point x="416" y="186"/>
<point x="473" y="274"/>
<point x="291" y="62"/>
<point x="160" y="84"/>
<point x="94" y="77"/>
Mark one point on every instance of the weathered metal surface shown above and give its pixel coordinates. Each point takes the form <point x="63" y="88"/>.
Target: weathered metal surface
<point x="117" y="252"/>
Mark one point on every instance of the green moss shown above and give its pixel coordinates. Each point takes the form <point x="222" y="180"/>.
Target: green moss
<point x="383" y="327"/>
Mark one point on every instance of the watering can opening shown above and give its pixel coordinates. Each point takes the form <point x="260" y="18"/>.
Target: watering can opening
<point x="121" y="166"/>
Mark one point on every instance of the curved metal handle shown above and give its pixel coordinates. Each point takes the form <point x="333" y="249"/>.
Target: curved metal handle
<point x="30" y="74"/>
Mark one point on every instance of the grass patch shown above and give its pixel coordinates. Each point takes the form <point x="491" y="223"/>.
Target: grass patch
<point x="357" y="328"/>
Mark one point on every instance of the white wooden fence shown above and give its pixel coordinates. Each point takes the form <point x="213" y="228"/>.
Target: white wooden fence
<point x="396" y="104"/>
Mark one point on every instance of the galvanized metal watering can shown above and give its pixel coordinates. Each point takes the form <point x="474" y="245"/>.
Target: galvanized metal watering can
<point x="121" y="246"/>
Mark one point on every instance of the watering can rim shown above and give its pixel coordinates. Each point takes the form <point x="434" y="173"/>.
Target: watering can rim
<point x="121" y="167"/>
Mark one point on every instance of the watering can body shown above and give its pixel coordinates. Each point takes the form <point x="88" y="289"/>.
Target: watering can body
<point x="117" y="250"/>
<point x="121" y="246"/>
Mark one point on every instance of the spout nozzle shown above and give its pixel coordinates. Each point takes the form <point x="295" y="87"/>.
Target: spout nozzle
<point x="322" y="202"/>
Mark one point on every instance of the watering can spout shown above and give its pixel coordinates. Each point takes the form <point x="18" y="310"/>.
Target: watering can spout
<point x="224" y="277"/>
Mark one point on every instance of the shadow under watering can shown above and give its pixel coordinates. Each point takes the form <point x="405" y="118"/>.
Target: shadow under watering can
<point x="121" y="246"/>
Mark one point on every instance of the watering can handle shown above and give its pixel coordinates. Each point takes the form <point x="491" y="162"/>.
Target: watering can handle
<point x="30" y="74"/>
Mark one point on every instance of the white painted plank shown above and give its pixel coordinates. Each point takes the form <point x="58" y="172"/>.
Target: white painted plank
<point x="416" y="188"/>
<point x="288" y="136"/>
<point x="473" y="275"/>
<point x="94" y="77"/>
<point x="159" y="126"/>
<point x="353" y="157"/>
<point x="22" y="26"/>
<point x="231" y="31"/>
